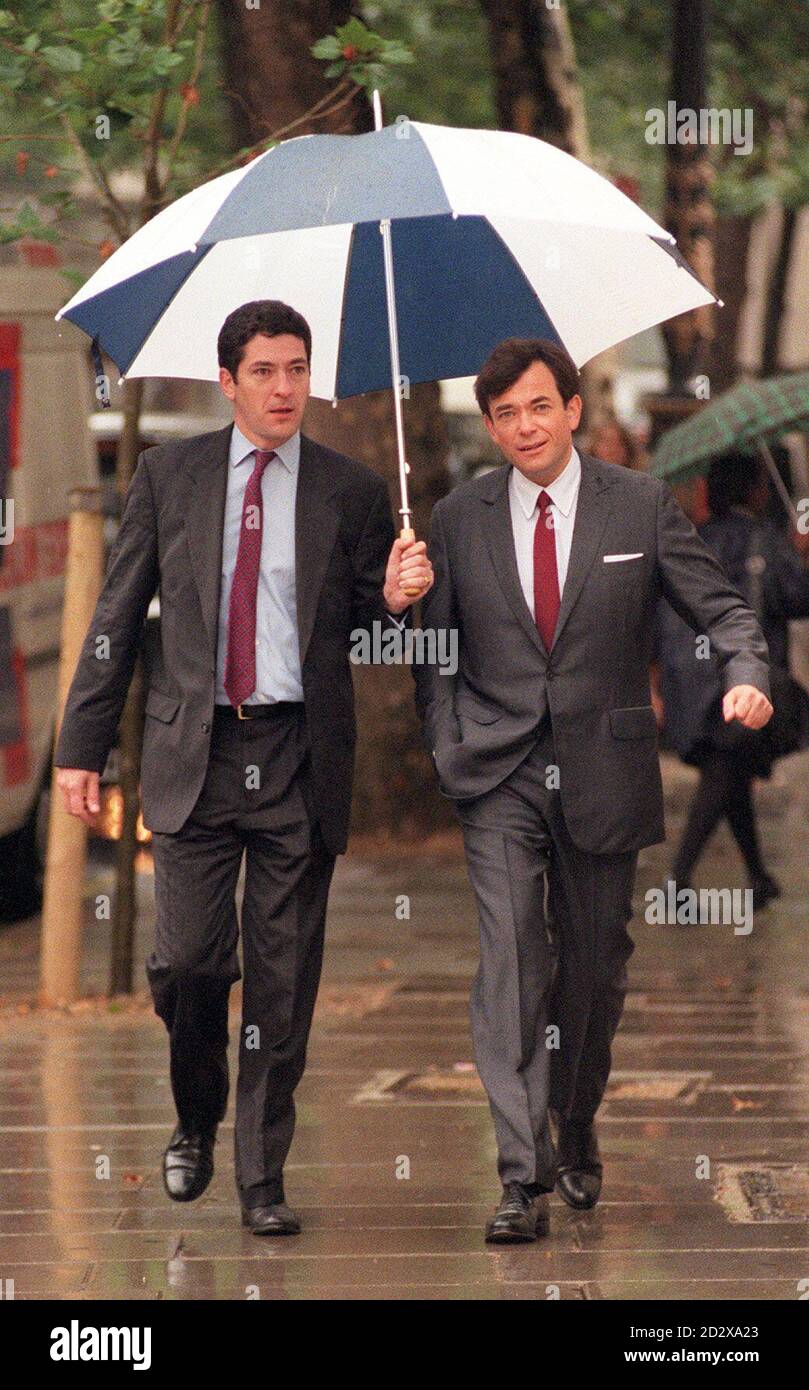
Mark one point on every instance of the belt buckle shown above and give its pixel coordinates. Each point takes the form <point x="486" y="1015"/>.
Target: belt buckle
<point x="243" y="716"/>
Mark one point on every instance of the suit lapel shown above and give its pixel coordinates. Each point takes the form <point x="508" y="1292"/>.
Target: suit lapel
<point x="204" y="488"/>
<point x="499" y="535"/>
<point x="317" y="521"/>
<point x="592" y="509"/>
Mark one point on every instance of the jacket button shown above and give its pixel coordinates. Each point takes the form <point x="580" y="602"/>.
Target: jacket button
<point x="205" y="727"/>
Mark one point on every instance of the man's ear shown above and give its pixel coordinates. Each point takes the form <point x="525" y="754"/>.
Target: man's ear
<point x="489" y="426"/>
<point x="574" y="408"/>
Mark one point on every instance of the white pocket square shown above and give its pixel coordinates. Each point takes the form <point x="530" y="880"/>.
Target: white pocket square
<point x="636" y="555"/>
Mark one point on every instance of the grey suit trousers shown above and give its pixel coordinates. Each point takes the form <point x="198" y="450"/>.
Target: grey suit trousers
<point x="256" y="799"/>
<point x="550" y="987"/>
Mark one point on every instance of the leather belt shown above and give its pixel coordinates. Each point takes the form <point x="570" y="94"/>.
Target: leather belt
<point x="278" y="707"/>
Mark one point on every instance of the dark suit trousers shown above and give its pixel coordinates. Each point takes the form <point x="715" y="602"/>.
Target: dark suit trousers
<point x="553" y="953"/>
<point x="194" y="962"/>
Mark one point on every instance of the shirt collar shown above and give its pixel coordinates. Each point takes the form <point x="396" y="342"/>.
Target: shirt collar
<point x="562" y="491"/>
<point x="241" y="448"/>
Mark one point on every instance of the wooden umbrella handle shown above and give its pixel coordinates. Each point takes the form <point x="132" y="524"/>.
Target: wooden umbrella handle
<point x="408" y="535"/>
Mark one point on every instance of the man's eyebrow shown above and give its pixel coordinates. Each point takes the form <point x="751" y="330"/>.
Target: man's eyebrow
<point x="509" y="405"/>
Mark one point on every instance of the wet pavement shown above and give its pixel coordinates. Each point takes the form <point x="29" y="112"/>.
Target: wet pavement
<point x="703" y="1133"/>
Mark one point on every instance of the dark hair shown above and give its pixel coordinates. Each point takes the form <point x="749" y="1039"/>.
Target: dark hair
<point x="731" y="479"/>
<point x="269" y="316"/>
<point x="507" y="362"/>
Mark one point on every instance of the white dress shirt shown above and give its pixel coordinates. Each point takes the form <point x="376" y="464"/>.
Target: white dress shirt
<point x="523" y="494"/>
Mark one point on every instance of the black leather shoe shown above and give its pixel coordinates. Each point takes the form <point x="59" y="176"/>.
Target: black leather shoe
<point x="519" y="1218"/>
<point x="276" y="1219"/>
<point x="188" y="1164"/>
<point x="579" y="1169"/>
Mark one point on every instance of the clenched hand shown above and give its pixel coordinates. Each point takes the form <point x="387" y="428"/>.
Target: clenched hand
<point x="80" y="788"/>
<point x="407" y="564"/>
<point x="748" y="704"/>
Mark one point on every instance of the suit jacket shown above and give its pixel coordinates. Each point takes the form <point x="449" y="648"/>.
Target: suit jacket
<point x="480" y="723"/>
<point x="171" y="536"/>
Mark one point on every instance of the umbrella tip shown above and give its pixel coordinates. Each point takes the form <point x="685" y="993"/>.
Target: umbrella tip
<point x="721" y="303"/>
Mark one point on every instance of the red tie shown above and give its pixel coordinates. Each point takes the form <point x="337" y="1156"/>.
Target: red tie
<point x="240" y="663"/>
<point x="546" y="576"/>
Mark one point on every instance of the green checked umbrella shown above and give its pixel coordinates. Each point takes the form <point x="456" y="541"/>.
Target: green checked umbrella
<point x="746" y="418"/>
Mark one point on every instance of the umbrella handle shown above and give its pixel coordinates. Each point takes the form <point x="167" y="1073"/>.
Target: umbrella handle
<point x="408" y="535"/>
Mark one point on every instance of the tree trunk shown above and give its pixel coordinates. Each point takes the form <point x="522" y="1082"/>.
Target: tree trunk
<point x="272" y="80"/>
<point x="776" y="294"/>
<point x="732" y="244"/>
<point x="689" y="210"/>
<point x="537" y="92"/>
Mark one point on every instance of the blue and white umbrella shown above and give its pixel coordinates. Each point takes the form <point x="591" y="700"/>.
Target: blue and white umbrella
<point x="492" y="235"/>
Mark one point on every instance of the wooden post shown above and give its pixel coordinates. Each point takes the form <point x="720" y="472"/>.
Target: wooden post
<point x="62" y="910"/>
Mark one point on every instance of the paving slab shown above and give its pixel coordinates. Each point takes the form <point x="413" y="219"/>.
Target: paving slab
<point x="704" y="1130"/>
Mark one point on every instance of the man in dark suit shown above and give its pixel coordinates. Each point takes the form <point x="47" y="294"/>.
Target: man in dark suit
<point x="549" y="569"/>
<point x="268" y="550"/>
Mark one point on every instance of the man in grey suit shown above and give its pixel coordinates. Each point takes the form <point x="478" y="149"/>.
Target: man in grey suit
<point x="549" y="569"/>
<point x="268" y="550"/>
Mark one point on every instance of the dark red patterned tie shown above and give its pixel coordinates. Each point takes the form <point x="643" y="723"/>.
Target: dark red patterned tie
<point x="546" y="575"/>
<point x="240" y="663"/>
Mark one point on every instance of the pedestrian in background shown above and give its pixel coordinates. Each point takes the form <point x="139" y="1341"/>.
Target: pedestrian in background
<point x="769" y="570"/>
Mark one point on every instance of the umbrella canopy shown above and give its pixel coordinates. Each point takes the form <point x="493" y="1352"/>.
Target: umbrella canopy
<point x="494" y="234"/>
<point x="744" y="418"/>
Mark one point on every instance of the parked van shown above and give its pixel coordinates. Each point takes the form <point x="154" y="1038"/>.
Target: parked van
<point x="46" y="448"/>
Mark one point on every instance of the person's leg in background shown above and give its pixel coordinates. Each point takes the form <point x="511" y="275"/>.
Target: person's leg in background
<point x="741" y="815"/>
<point x="708" y="806"/>
<point x="725" y="790"/>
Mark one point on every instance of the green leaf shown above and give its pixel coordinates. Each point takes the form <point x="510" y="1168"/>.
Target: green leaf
<point x="7" y="20"/>
<point x="14" y="78"/>
<point x="395" y="54"/>
<point x="62" y="59"/>
<point x="326" y="48"/>
<point x="163" y="60"/>
<point x="120" y="53"/>
<point x="30" y="43"/>
<point x="354" y="31"/>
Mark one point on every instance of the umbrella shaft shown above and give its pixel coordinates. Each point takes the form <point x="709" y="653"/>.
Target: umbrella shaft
<point x="778" y="482"/>
<point x="393" y="335"/>
<point x="384" y="227"/>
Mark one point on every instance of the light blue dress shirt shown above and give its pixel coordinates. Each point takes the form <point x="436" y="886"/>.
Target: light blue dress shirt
<point x="278" y="662"/>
